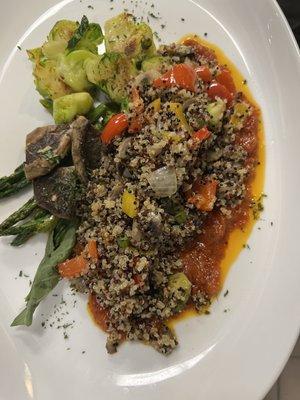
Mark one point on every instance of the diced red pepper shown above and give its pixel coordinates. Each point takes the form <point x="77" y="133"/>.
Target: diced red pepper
<point x="201" y="134"/>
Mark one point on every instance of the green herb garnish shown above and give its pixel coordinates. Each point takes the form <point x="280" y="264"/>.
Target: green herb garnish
<point x="123" y="242"/>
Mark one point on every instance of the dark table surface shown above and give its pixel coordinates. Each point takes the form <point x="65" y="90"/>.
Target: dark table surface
<point x="291" y="9"/>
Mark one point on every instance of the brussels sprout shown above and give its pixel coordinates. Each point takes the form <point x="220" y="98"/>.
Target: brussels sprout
<point x="86" y="37"/>
<point x="72" y="69"/>
<point x="47" y="80"/>
<point x="124" y="35"/>
<point x="66" y="108"/>
<point x="58" y="38"/>
<point x="54" y="48"/>
<point x="63" y="29"/>
<point x="111" y="72"/>
<point x="156" y="63"/>
<point x="180" y="290"/>
<point x="35" y="55"/>
<point x="216" y="111"/>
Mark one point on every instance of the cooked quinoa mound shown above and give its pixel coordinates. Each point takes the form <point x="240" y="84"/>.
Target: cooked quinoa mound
<point x="147" y="199"/>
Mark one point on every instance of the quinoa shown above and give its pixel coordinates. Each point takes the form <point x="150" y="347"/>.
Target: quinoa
<point x="131" y="280"/>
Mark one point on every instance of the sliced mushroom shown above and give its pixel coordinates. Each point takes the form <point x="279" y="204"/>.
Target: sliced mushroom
<point x="45" y="148"/>
<point x="56" y="191"/>
<point x="86" y="147"/>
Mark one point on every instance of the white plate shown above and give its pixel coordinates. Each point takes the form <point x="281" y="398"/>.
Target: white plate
<point x="233" y="355"/>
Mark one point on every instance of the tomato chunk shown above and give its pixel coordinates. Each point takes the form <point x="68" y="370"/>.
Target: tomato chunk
<point x="181" y="75"/>
<point x="204" y="73"/>
<point x="115" y="127"/>
<point x="216" y="89"/>
<point x="204" y="195"/>
<point x="225" y="78"/>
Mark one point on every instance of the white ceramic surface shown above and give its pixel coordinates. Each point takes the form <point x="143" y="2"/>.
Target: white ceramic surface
<point x="232" y="356"/>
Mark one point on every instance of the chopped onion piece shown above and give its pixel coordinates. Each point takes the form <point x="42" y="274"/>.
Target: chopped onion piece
<point x="163" y="181"/>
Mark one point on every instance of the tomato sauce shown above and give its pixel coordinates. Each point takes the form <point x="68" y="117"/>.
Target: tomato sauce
<point x="207" y="259"/>
<point x="99" y="314"/>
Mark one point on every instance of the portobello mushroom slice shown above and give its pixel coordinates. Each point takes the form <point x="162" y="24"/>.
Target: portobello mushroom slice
<point x="56" y="192"/>
<point x="86" y="147"/>
<point x="45" y="148"/>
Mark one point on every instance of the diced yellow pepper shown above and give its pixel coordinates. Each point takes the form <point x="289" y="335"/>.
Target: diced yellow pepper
<point x="240" y="112"/>
<point x="155" y="104"/>
<point x="174" y="137"/>
<point x="129" y="204"/>
<point x="176" y="108"/>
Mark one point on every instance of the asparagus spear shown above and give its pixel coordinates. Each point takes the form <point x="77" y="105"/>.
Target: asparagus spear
<point x="97" y="112"/>
<point x="35" y="225"/>
<point x="22" y="238"/>
<point x="19" y="215"/>
<point x="13" y="183"/>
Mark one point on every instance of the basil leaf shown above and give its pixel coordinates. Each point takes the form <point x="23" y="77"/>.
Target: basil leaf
<point x="59" y="246"/>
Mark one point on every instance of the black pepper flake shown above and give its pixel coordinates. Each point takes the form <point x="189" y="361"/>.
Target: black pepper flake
<point x="182" y="19"/>
<point x="245" y="82"/>
<point x="226" y="293"/>
<point x="83" y="352"/>
<point x="206" y="312"/>
<point x="111" y="8"/>
<point x="272" y="223"/>
<point x="21" y="273"/>
<point x="205" y="34"/>
<point x="19" y="47"/>
<point x="153" y="15"/>
<point x="163" y="26"/>
<point x="90" y="7"/>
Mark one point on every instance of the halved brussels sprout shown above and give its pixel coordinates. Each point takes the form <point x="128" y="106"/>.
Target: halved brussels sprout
<point x="156" y="63"/>
<point x="111" y="72"/>
<point x="47" y="80"/>
<point x="58" y="38"/>
<point x="72" y="69"/>
<point x="66" y="108"/>
<point x="124" y="35"/>
<point x="63" y="29"/>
